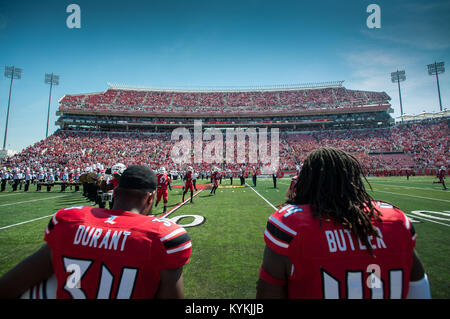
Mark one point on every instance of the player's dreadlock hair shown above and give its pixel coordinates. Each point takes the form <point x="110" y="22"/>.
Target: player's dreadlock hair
<point x="330" y="182"/>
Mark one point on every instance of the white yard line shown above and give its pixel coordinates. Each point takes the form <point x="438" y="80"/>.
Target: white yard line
<point x="30" y="201"/>
<point x="422" y="197"/>
<point x="262" y="197"/>
<point x="6" y="195"/>
<point x="180" y="204"/>
<point x="25" y="222"/>
<point x="408" y="187"/>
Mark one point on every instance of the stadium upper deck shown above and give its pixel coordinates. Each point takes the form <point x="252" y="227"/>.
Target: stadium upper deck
<point x="327" y="103"/>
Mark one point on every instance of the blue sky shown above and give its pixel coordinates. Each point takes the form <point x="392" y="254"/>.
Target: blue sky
<point x="216" y="43"/>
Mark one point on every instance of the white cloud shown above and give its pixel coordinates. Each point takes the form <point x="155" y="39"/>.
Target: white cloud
<point x="370" y="70"/>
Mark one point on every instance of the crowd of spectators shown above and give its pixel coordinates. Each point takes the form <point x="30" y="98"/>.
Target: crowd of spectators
<point x="130" y="101"/>
<point x="422" y="145"/>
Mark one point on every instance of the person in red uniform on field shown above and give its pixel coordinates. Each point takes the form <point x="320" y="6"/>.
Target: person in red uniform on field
<point x="163" y="182"/>
<point x="188" y="185"/>
<point x="99" y="253"/>
<point x="215" y="177"/>
<point x="441" y="176"/>
<point x="332" y="240"/>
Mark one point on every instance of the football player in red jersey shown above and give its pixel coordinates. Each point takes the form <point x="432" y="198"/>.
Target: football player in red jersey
<point x="163" y="182"/>
<point x="109" y="253"/>
<point x="441" y="176"/>
<point x="333" y="241"/>
<point x="188" y="183"/>
<point x="215" y="176"/>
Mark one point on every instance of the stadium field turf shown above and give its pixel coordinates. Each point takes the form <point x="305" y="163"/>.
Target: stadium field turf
<point x="228" y="246"/>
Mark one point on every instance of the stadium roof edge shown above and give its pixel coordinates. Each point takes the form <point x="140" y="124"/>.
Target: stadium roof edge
<point x="85" y="94"/>
<point x="277" y="87"/>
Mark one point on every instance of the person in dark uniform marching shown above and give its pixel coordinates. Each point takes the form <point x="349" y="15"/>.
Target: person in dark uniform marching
<point x="28" y="178"/>
<point x="4" y="177"/>
<point x="16" y="178"/>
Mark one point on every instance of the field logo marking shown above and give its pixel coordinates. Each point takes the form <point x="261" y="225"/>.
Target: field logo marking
<point x="198" y="220"/>
<point x="429" y="216"/>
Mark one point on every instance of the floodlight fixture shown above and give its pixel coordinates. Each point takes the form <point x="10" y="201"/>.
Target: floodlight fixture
<point x="435" y="69"/>
<point x="51" y="79"/>
<point x="11" y="72"/>
<point x="397" y="77"/>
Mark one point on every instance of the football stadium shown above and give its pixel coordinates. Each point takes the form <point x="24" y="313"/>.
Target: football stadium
<point x="243" y="149"/>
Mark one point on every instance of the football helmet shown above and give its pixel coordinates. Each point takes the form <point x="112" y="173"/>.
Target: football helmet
<point x="118" y="169"/>
<point x="162" y="170"/>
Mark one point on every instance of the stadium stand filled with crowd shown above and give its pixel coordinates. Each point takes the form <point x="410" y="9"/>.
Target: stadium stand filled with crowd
<point x="126" y="126"/>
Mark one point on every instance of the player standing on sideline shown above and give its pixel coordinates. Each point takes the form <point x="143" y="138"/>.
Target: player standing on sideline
<point x="194" y="180"/>
<point x="242" y="175"/>
<point x="332" y="240"/>
<point x="215" y="177"/>
<point x="441" y="176"/>
<point x="163" y="181"/>
<point x="109" y="253"/>
<point x="254" y="173"/>
<point x="274" y="177"/>
<point x="230" y="175"/>
<point x="188" y="183"/>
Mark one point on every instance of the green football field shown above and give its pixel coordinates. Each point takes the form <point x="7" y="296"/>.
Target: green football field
<point x="228" y="246"/>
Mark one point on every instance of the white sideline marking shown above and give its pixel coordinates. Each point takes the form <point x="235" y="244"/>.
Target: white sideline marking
<point x="430" y="198"/>
<point x="262" y="197"/>
<point x="5" y="195"/>
<point x="30" y="201"/>
<point x="28" y="221"/>
<point x="180" y="204"/>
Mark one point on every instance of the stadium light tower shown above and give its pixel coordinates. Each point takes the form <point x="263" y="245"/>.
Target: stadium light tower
<point x="397" y="77"/>
<point x="51" y="79"/>
<point x="435" y="69"/>
<point x="12" y="73"/>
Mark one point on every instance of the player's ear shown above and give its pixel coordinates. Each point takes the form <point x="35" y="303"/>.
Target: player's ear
<point x="149" y="203"/>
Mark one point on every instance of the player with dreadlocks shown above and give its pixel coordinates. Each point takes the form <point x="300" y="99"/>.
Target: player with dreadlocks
<point x="332" y="240"/>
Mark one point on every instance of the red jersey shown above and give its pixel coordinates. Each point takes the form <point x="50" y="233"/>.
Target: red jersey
<point x="108" y="253"/>
<point x="163" y="180"/>
<point x="114" y="182"/>
<point x="441" y="174"/>
<point x="215" y="178"/>
<point x="188" y="178"/>
<point x="330" y="262"/>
